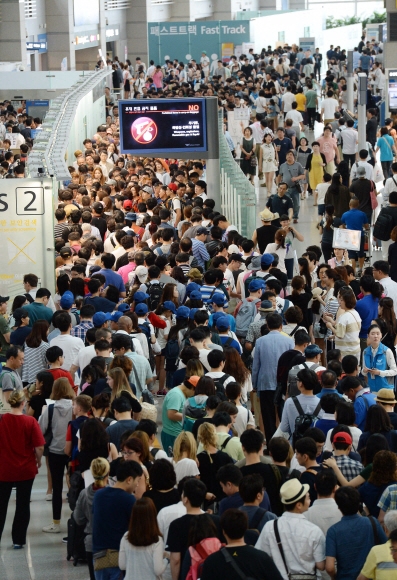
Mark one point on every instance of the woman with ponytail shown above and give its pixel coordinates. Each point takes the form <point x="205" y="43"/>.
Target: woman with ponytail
<point x="83" y="511"/>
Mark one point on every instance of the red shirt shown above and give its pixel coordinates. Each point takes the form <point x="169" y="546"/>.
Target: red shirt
<point x="19" y="435"/>
<point x="58" y="373"/>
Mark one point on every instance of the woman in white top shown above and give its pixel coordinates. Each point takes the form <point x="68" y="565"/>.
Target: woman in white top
<point x="142" y="547"/>
<point x="127" y="78"/>
<point x="348" y="325"/>
<point x="261" y="103"/>
<point x="278" y="247"/>
<point x="185" y="456"/>
<point x="268" y="161"/>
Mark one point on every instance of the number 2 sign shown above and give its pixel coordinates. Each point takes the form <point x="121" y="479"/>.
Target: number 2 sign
<point x="30" y="200"/>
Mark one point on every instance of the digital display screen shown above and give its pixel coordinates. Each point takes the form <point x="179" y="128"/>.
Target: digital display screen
<point x="86" y="12"/>
<point x="161" y="126"/>
<point x="393" y="89"/>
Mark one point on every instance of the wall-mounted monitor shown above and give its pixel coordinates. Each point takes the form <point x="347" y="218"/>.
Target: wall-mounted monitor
<point x="163" y="126"/>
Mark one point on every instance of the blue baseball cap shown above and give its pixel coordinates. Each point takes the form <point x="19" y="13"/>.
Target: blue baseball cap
<point x="140" y="296"/>
<point x="267" y="259"/>
<point x="141" y="309"/>
<point x="256" y="285"/>
<point x="183" y="312"/>
<point x="169" y="305"/>
<point x="131" y="217"/>
<point x="115" y="317"/>
<point x="312" y="350"/>
<point x="218" y="299"/>
<point x="123" y="307"/>
<point x="192" y="313"/>
<point x="100" y="318"/>
<point x="67" y="300"/>
<point x="192" y="287"/>
<point x="195" y="295"/>
<point x="223" y="323"/>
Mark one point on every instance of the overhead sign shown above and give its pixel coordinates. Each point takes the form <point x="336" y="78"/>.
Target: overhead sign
<point x="37" y="108"/>
<point x="26" y="230"/>
<point x="392" y="89"/>
<point x="163" y="126"/>
<point x="38" y="45"/>
<point x="187" y="40"/>
<point x="86" y="40"/>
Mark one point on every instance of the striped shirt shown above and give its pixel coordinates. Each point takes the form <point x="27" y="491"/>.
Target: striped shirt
<point x="59" y="229"/>
<point x="34" y="362"/>
<point x="207" y="293"/>
<point x="199" y="251"/>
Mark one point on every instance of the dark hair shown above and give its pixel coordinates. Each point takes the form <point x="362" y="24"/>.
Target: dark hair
<point x="38" y="334"/>
<point x="234" y="523"/>
<point x="252" y="440"/>
<point x="376" y="442"/>
<point x="126" y="469"/>
<point x="309" y="380"/>
<point x="382" y="266"/>
<point x="201" y="527"/>
<point x="279" y="448"/>
<point x="368" y="284"/>
<point x="325" y="482"/>
<point x="147" y="426"/>
<point x="348" y="296"/>
<point x="205" y="386"/>
<point x="348" y="500"/>
<point x="306" y="446"/>
<point x="93" y="435"/>
<point x="274" y="321"/>
<point x="53" y="353"/>
<point x="64" y="321"/>
<point x="250" y="486"/>
<point x="329" y="401"/>
<point x="215" y="358"/>
<point x="345" y="413"/>
<point x="377" y="420"/>
<point x="143" y="528"/>
<point x="349" y="364"/>
<point x="47" y="379"/>
<point x="162" y="475"/>
<point x="229" y="473"/>
<point x="195" y="490"/>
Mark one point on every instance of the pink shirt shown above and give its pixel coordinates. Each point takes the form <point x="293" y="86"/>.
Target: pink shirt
<point x="125" y="270"/>
<point x="327" y="147"/>
<point x="158" y="79"/>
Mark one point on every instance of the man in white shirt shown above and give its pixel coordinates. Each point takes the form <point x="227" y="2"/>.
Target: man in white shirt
<point x="302" y="542"/>
<point x="328" y="107"/>
<point x="287" y="99"/>
<point x="324" y="512"/>
<point x="363" y="154"/>
<point x="105" y="164"/>
<point x="381" y="272"/>
<point x="349" y="141"/>
<point x="297" y="119"/>
<point x="71" y="345"/>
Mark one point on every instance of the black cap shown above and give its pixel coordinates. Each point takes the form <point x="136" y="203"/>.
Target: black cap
<point x="4" y="299"/>
<point x="20" y="313"/>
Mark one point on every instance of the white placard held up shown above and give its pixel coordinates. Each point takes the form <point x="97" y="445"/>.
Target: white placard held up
<point x="346" y="239"/>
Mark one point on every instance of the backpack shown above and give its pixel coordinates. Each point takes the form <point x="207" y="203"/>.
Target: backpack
<point x="303" y="421"/>
<point x="287" y="304"/>
<point x="249" y="279"/>
<point x="219" y="388"/>
<point x="171" y="354"/>
<point x="76" y="487"/>
<point x="146" y="331"/>
<point x="383" y="226"/>
<point x="199" y="553"/>
<point x="193" y="412"/>
<point x="245" y="316"/>
<point x="155" y="292"/>
<point x="292" y="383"/>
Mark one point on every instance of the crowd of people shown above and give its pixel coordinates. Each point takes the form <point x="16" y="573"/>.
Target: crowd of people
<point x="275" y="452"/>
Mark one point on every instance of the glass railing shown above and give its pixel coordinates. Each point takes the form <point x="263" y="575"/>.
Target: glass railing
<point x="238" y="198"/>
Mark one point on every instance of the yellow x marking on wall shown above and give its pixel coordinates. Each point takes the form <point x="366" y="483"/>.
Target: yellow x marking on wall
<point x="21" y="250"/>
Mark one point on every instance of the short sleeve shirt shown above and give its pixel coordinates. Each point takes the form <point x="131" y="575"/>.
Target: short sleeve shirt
<point x="174" y="401"/>
<point x="4" y="329"/>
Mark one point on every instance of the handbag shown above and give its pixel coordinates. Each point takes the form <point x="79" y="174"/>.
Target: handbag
<point x="253" y="161"/>
<point x="106" y="559"/>
<point x="297" y="185"/>
<point x="372" y="193"/>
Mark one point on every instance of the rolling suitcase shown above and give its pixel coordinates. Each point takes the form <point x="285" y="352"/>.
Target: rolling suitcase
<point x="75" y="544"/>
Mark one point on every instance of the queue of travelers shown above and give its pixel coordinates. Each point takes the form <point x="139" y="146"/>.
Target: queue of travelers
<point x="275" y="452"/>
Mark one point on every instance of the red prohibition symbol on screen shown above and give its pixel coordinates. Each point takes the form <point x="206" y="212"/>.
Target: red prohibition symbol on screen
<point x="144" y="130"/>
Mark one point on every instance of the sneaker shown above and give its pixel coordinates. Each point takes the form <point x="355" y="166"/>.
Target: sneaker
<point x="263" y="184"/>
<point x="161" y="393"/>
<point x="65" y="540"/>
<point x="295" y="220"/>
<point x="52" y="528"/>
<point x="17" y="546"/>
<point x="48" y="497"/>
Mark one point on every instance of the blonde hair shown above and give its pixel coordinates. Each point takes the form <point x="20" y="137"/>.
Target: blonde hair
<point x="120" y="383"/>
<point x="185" y="443"/>
<point x="61" y="389"/>
<point x="194" y="368"/>
<point x="100" y="470"/>
<point x="207" y="435"/>
<point x="16" y="399"/>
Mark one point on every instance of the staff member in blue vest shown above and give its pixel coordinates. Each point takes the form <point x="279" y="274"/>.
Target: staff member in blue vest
<point x="378" y="362"/>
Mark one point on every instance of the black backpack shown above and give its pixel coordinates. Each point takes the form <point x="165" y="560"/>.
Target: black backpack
<point x="219" y="388"/>
<point x="248" y="280"/>
<point x="155" y="292"/>
<point x="303" y="421"/>
<point x="383" y="226"/>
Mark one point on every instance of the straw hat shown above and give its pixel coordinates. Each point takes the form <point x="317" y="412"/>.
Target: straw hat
<point x="293" y="491"/>
<point x="267" y="216"/>
<point x="386" y="396"/>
